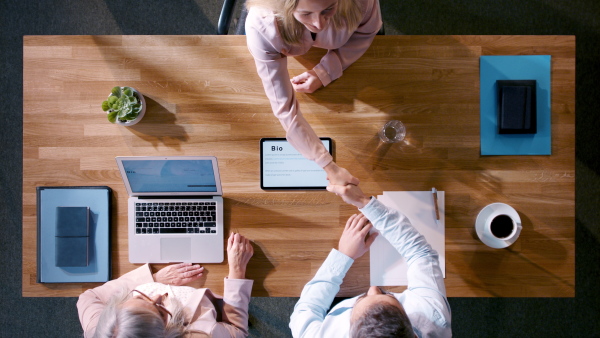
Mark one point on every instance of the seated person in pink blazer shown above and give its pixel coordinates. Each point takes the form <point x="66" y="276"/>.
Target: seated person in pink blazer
<point x="276" y="29"/>
<point x="142" y="304"/>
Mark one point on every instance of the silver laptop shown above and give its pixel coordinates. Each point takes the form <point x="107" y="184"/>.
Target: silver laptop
<point x="175" y="208"/>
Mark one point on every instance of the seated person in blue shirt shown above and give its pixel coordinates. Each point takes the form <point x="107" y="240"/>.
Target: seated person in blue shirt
<point x="420" y="311"/>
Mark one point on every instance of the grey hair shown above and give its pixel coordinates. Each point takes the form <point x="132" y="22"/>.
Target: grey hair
<point x="382" y="320"/>
<point x="117" y="322"/>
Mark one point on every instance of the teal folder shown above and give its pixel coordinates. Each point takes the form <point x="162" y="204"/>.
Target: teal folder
<point x="514" y="67"/>
<point x="49" y="203"/>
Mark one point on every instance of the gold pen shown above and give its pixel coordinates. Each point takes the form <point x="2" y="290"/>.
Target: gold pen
<point x="435" y="204"/>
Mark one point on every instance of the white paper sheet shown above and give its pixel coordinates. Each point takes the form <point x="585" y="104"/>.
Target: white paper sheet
<point x="388" y="268"/>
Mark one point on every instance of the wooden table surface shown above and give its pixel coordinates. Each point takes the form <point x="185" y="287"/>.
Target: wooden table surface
<point x="205" y="98"/>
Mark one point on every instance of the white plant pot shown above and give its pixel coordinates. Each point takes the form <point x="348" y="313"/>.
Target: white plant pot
<point x="140" y="115"/>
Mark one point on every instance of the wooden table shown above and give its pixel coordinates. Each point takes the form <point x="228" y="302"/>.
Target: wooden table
<point x="205" y="98"/>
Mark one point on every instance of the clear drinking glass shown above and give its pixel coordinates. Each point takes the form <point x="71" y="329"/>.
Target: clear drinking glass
<point x="393" y="131"/>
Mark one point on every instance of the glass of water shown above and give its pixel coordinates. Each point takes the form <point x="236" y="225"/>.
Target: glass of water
<point x="393" y="131"/>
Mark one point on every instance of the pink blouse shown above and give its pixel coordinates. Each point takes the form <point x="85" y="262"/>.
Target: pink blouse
<point x="218" y="316"/>
<point x="270" y="51"/>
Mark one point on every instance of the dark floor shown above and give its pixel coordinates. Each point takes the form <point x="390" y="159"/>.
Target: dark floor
<point x="479" y="317"/>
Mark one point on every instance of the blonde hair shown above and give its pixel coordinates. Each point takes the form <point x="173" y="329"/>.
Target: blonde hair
<point x="118" y="322"/>
<point x="347" y="16"/>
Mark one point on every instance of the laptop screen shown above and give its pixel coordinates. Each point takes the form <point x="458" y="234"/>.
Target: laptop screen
<point x="170" y="176"/>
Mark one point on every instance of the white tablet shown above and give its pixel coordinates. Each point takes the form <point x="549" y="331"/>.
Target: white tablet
<point x="283" y="168"/>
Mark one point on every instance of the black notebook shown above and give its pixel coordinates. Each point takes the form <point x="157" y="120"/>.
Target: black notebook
<point x="516" y="107"/>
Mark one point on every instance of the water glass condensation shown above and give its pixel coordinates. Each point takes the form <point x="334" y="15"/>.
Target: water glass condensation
<point x="393" y="131"/>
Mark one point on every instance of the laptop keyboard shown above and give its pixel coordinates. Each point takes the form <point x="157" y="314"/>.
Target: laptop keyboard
<point x="176" y="218"/>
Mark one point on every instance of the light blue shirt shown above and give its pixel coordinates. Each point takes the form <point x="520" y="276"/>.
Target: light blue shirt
<point x="424" y="301"/>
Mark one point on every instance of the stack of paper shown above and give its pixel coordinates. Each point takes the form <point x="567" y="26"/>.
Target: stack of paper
<point x="388" y="268"/>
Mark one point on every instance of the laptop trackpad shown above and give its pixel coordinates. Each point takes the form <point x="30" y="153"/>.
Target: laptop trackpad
<point x="175" y="249"/>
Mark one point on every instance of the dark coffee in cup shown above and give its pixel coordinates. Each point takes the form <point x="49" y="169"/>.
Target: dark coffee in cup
<point x="502" y="226"/>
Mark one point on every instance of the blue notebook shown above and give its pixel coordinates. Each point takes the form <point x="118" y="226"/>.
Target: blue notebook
<point x="514" y="67"/>
<point x="72" y="238"/>
<point x="78" y="249"/>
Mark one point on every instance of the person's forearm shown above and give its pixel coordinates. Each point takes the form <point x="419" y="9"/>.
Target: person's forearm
<point x="318" y="294"/>
<point x="237" y="274"/>
<point x="331" y="168"/>
<point x="398" y="230"/>
<point x="236" y="297"/>
<point x="336" y="61"/>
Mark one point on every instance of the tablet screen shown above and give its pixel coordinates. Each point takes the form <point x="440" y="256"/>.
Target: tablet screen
<point x="283" y="167"/>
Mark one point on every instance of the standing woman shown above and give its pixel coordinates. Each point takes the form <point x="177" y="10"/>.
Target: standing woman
<point x="276" y="29"/>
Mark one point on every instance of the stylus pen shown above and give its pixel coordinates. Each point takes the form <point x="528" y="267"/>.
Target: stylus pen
<point x="435" y="204"/>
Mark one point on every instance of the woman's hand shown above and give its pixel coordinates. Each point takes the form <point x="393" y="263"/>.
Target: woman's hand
<point x="338" y="175"/>
<point x="178" y="274"/>
<point x="355" y="240"/>
<point x="239" y="251"/>
<point x="307" y="82"/>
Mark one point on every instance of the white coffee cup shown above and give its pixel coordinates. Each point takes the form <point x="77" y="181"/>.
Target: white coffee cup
<point x="498" y="225"/>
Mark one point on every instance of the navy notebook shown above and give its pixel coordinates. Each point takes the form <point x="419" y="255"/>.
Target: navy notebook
<point x="73" y="234"/>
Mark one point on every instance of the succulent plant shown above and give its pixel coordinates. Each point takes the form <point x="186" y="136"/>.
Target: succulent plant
<point x="122" y="104"/>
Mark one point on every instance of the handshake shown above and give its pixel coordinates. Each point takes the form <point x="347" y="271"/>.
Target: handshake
<point x="356" y="238"/>
<point x="343" y="184"/>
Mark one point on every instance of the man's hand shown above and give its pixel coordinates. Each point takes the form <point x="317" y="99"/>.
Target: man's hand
<point x="178" y="274"/>
<point x="355" y="240"/>
<point x="338" y="175"/>
<point x="307" y="82"/>
<point x="351" y="194"/>
<point x="239" y="251"/>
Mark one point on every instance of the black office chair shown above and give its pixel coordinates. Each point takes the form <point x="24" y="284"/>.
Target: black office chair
<point x="227" y="14"/>
<point x="240" y="29"/>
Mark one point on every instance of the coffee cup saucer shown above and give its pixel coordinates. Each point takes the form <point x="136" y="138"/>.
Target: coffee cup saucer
<point x="492" y="210"/>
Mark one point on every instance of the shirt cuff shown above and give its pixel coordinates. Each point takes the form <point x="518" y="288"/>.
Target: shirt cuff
<point x="322" y="74"/>
<point x="324" y="159"/>
<point x="338" y="263"/>
<point x="238" y="282"/>
<point x="374" y="209"/>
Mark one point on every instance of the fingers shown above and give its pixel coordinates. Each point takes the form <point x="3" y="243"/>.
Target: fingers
<point x="359" y="222"/>
<point x="302" y="87"/>
<point x="180" y="266"/>
<point x="187" y="266"/>
<point x="366" y="226"/>
<point x="239" y="243"/>
<point x="306" y="82"/>
<point x="189" y="270"/>
<point x="249" y="248"/>
<point x="300" y="78"/>
<point x="350" y="221"/>
<point x="182" y="273"/>
<point x="336" y="189"/>
<point x="371" y="239"/>
<point x="192" y="275"/>
<point x="230" y="240"/>
<point x="234" y="239"/>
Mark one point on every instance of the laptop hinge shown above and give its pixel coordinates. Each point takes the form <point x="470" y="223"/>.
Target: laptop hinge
<point x="174" y="197"/>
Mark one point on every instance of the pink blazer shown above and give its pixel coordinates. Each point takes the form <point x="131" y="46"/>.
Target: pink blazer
<point x="269" y="51"/>
<point x="231" y="309"/>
